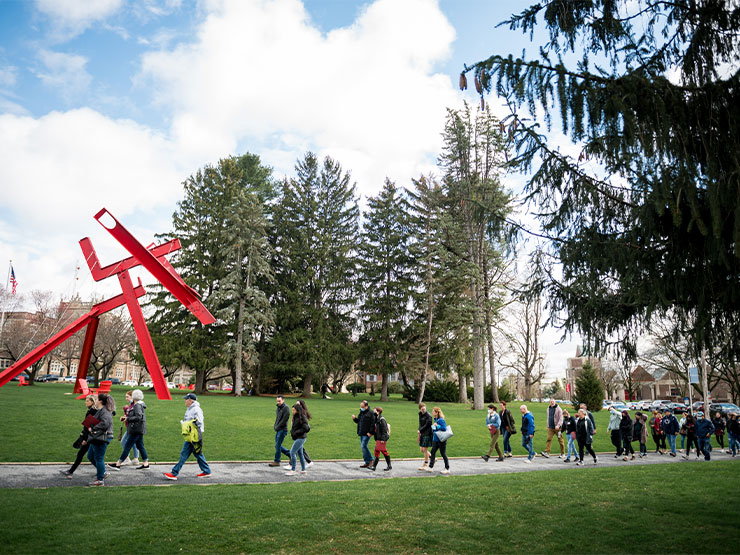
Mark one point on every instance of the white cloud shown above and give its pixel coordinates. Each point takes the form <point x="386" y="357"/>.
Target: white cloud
<point x="65" y="73"/>
<point x="8" y="76"/>
<point x="365" y="94"/>
<point x="71" y="17"/>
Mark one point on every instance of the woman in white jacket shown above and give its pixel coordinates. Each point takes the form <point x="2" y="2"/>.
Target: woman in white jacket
<point x="193" y="412"/>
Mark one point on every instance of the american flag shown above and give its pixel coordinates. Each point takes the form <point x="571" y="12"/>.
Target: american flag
<point x="13" y="281"/>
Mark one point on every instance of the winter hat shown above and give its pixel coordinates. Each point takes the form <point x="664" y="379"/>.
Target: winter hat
<point x="192" y="396"/>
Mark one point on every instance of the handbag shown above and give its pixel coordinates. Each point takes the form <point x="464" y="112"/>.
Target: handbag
<point x="120" y="433"/>
<point x="445" y="435"/>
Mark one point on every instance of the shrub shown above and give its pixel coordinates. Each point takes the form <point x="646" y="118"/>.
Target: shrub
<point x="395" y="387"/>
<point x="357" y="387"/>
<point x="503" y="393"/>
<point x="436" y="391"/>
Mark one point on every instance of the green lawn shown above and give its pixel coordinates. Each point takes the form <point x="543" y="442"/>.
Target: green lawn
<point x="40" y="423"/>
<point x="687" y="508"/>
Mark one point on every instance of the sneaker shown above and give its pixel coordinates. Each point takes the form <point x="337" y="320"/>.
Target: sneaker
<point x="422" y="467"/>
<point x="114" y="466"/>
<point x="579" y="463"/>
<point x="499" y="459"/>
<point x="633" y="456"/>
<point x="287" y="467"/>
<point x="673" y="454"/>
<point x="290" y="473"/>
<point x="616" y="456"/>
<point x="596" y="459"/>
<point x="366" y="465"/>
<point x="309" y="465"/>
<point x="106" y="475"/>
<point x="528" y="461"/>
<point x="567" y="460"/>
<point x="170" y="476"/>
<point x="66" y="473"/>
<point x="142" y="467"/>
<point x="546" y="455"/>
<point x="128" y="461"/>
<point x="560" y="456"/>
<point x="626" y="459"/>
<point x="429" y="469"/>
<point x="96" y="483"/>
<point x="304" y="472"/>
<point x="485" y="457"/>
<point x="685" y="457"/>
<point x="273" y="464"/>
<point x="445" y="471"/>
<point x="204" y="475"/>
<point x="134" y="462"/>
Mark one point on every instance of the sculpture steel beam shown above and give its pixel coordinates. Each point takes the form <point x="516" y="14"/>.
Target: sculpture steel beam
<point x="153" y="259"/>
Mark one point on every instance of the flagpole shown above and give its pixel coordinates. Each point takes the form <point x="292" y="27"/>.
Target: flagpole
<point x="7" y="283"/>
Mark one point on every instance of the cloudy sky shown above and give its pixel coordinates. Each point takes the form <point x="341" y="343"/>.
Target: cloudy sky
<point x="106" y="103"/>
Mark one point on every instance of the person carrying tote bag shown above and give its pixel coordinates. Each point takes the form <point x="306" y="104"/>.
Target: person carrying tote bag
<point x="440" y="427"/>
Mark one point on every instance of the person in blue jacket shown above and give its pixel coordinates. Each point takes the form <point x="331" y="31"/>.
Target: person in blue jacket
<point x="439" y="426"/>
<point x="527" y="432"/>
<point x="704" y="431"/>
<point x="669" y="425"/>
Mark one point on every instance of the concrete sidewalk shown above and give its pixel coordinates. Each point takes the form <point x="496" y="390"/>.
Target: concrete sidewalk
<point x="48" y="475"/>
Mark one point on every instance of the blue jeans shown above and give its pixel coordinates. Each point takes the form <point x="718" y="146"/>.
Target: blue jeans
<point x="366" y="455"/>
<point x="133" y="441"/>
<point x="187" y="450"/>
<point x="297" y="449"/>
<point x="279" y="449"/>
<point x="507" y="444"/>
<point x="527" y="444"/>
<point x="705" y="446"/>
<point x="672" y="442"/>
<point x="733" y="443"/>
<point x="123" y="445"/>
<point x="96" y="455"/>
<point x="572" y="447"/>
<point x="683" y="441"/>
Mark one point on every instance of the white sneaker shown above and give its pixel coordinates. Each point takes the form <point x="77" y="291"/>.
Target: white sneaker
<point x="287" y="467"/>
<point x="302" y="472"/>
<point x="445" y="471"/>
<point x="134" y="462"/>
<point x="309" y="465"/>
<point x="560" y="456"/>
<point x="422" y="467"/>
<point x="128" y="461"/>
<point x="290" y="473"/>
<point x="528" y="461"/>
<point x="429" y="469"/>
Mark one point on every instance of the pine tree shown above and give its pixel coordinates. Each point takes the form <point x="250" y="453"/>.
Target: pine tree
<point x="645" y="221"/>
<point x="589" y="389"/>
<point x="386" y="276"/>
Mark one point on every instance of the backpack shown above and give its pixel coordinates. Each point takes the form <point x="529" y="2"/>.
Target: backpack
<point x="190" y="431"/>
<point x="388" y="426"/>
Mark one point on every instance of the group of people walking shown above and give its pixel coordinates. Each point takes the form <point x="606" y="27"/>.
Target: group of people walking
<point x="432" y="435"/>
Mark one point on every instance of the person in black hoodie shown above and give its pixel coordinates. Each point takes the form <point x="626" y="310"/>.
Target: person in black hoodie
<point x="691" y="436"/>
<point x="625" y="431"/>
<point x="365" y="429"/>
<point x="381" y="438"/>
<point x="425" y="434"/>
<point x="508" y="428"/>
<point x="101" y="435"/>
<point x="298" y="431"/>
<point x="81" y="442"/>
<point x="569" y="428"/>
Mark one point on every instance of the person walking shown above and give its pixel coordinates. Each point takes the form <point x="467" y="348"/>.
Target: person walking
<point x="639" y="432"/>
<point x="569" y="426"/>
<point x="192" y="412"/>
<point x="309" y="462"/>
<point x="298" y="432"/>
<point x="657" y="432"/>
<point x="554" y="425"/>
<point x="590" y="415"/>
<point x="493" y="422"/>
<point x="382" y="435"/>
<point x="691" y="436"/>
<point x="100" y="435"/>
<point x="584" y="436"/>
<point x="134" y="450"/>
<point x="424" y="434"/>
<point x="615" y="420"/>
<point x="704" y="431"/>
<point x="719" y="430"/>
<point x="282" y="416"/>
<point x="365" y="429"/>
<point x="508" y="428"/>
<point x="733" y="433"/>
<point x="625" y="433"/>
<point x="669" y="427"/>
<point x="81" y="443"/>
<point x="135" y="421"/>
<point x="527" y="432"/>
<point x="439" y="425"/>
<point x="682" y="430"/>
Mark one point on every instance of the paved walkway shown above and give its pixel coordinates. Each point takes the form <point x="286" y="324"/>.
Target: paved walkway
<point x="48" y="475"/>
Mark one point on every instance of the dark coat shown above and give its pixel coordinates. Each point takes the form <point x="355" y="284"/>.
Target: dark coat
<point x="425" y="423"/>
<point x="299" y="428"/>
<point x="282" y="415"/>
<point x="136" y="419"/>
<point x="381" y="430"/>
<point x="365" y="422"/>
<point x="507" y="421"/>
<point x="669" y="425"/>
<point x="584" y="430"/>
<point x="102" y="432"/>
<point x="625" y="428"/>
<point x="569" y="424"/>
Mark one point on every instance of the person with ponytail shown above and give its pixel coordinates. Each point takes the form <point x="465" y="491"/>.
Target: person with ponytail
<point x="101" y="435"/>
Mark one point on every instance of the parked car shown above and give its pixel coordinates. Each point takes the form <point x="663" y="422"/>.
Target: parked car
<point x="644" y="405"/>
<point x="698" y="405"/>
<point x="633" y="405"/>
<point x="620" y="406"/>
<point x="678" y="408"/>
<point x="723" y="408"/>
<point x="659" y="404"/>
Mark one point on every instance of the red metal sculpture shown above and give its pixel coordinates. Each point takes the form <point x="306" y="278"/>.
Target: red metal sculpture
<point x="153" y="259"/>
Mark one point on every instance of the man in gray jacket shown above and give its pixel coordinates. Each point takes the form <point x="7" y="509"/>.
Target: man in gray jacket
<point x="282" y="416"/>
<point x="192" y="412"/>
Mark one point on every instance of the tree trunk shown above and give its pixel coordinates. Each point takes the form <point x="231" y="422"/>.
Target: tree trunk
<point x="237" y="391"/>
<point x="425" y="368"/>
<point x="463" y="388"/>
<point x="200" y="381"/>
<point x="479" y="371"/>
<point x="384" y="388"/>
<point x="307" y="385"/>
